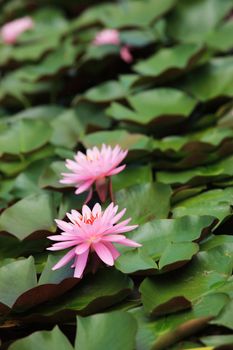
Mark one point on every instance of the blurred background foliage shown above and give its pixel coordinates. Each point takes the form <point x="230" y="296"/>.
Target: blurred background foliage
<point x="172" y="108"/>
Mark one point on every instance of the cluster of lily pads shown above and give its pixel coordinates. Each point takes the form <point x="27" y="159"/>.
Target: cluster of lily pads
<point x="158" y="83"/>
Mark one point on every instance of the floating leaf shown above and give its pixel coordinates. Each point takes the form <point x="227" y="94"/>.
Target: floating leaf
<point x="62" y="57"/>
<point x="191" y="21"/>
<point x="221" y="37"/>
<point x="168" y="59"/>
<point x="108" y="325"/>
<point x="24" y="136"/>
<point x="67" y="129"/>
<point x="166" y="241"/>
<point x="111" y="90"/>
<point x="165" y="331"/>
<point x="33" y="213"/>
<point x="132" y="176"/>
<point x="44" y="339"/>
<point x="154" y="199"/>
<point x="225" y="317"/>
<point x="211" y="80"/>
<point x="94" y="292"/>
<point x="204" y="274"/>
<point x="217" y="340"/>
<point x="120" y="137"/>
<point x="210" y="172"/>
<point x="214" y="202"/>
<point x="116" y="16"/>
<point x="16" y="278"/>
<point x="52" y="174"/>
<point x="152" y="104"/>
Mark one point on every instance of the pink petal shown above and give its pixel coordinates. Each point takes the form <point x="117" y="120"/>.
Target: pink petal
<point x="116" y="170"/>
<point x="113" y="250"/>
<point x="63" y="245"/>
<point x="74" y="217"/>
<point x="80" y="155"/>
<point x="96" y="210"/>
<point x="12" y="30"/>
<point x="63" y="225"/>
<point x="81" y="248"/>
<point x="113" y="238"/>
<point x="107" y="213"/>
<point x="86" y="211"/>
<point x="125" y="229"/>
<point x="118" y="216"/>
<point x="80" y="264"/>
<point x="119" y="228"/>
<point x="104" y="253"/>
<point x="64" y="238"/>
<point x="72" y="165"/>
<point x="107" y="37"/>
<point x="63" y="261"/>
<point x="67" y="181"/>
<point x="84" y="186"/>
<point x="126" y="54"/>
<point x="129" y="243"/>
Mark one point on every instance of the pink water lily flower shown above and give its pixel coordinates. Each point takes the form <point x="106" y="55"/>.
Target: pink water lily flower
<point x="12" y="30"/>
<point x="112" y="37"/>
<point x="94" y="167"/>
<point x="92" y="231"/>
<point x="107" y="37"/>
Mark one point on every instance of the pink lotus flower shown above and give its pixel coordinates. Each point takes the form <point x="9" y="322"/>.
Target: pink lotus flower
<point x="94" y="167"/>
<point x="112" y="37"/>
<point x="12" y="30"/>
<point x="92" y="231"/>
<point x="107" y="37"/>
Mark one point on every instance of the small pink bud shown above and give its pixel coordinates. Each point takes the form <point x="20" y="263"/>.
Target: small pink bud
<point x="12" y="30"/>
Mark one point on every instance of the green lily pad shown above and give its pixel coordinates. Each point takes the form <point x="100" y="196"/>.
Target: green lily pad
<point x="154" y="199"/>
<point x="111" y="90"/>
<point x="33" y="213"/>
<point x="52" y="174"/>
<point x="93" y="293"/>
<point x="167" y="241"/>
<point x="68" y="129"/>
<point x="192" y="21"/>
<point x="168" y="59"/>
<point x="118" y="15"/>
<point x="214" y="202"/>
<point x="108" y="325"/>
<point x="152" y="104"/>
<point x="43" y="339"/>
<point x="161" y="294"/>
<point x="225" y="317"/>
<point x="24" y="136"/>
<point x="217" y="340"/>
<point x="221" y="37"/>
<point x="14" y="86"/>
<point x="131" y="176"/>
<point x="64" y="56"/>
<point x="164" y="331"/>
<point x="120" y="137"/>
<point x="218" y="170"/>
<point x="211" y="80"/>
<point x="16" y="278"/>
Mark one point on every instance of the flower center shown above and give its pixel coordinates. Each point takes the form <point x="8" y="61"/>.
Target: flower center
<point x="92" y="158"/>
<point x="93" y="239"/>
<point x="90" y="219"/>
<point x="87" y="219"/>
